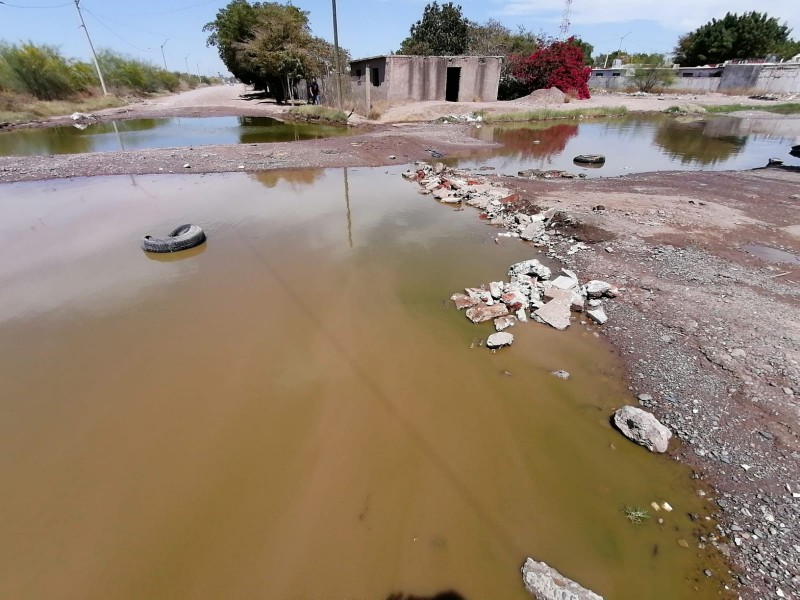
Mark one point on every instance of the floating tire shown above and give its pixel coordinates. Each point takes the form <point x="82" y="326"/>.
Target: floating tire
<point x="589" y="159"/>
<point x="180" y="238"/>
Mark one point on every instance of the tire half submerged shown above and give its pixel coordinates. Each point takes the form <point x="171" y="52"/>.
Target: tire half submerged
<point x="180" y="238"/>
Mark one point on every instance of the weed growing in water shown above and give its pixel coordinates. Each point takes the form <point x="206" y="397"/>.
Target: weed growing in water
<point x="635" y="514"/>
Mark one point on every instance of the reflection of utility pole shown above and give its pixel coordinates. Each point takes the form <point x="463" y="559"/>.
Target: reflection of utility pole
<point x="347" y="204"/>
<point x="162" y="54"/>
<point x="94" y="55"/>
<point x="337" y="62"/>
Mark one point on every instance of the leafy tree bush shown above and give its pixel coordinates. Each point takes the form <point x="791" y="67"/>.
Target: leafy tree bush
<point x="269" y="45"/>
<point x="40" y="71"/>
<point x="442" y="31"/>
<point x="750" y="35"/>
<point x="560" y="65"/>
<point x="125" y="74"/>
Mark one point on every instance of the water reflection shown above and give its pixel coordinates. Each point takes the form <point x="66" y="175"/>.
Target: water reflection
<point x="702" y="143"/>
<point x="538" y="140"/>
<point x="635" y="143"/>
<point x="136" y="134"/>
<point x="297" y="178"/>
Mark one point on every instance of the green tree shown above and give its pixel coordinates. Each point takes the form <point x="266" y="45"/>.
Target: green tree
<point x="495" y="39"/>
<point x="442" y="31"/>
<point x="270" y="45"/>
<point x="750" y="35"/>
<point x="649" y="77"/>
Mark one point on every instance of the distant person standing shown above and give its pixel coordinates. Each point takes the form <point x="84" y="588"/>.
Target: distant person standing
<point x="314" y="89"/>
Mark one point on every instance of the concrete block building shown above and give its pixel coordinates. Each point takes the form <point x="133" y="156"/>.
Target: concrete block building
<point x="452" y="78"/>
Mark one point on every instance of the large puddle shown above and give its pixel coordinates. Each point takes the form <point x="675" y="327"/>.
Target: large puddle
<point x="137" y="134"/>
<point x="634" y="144"/>
<point x="291" y="412"/>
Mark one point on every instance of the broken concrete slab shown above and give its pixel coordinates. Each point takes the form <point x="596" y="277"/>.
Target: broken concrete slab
<point x="514" y="300"/>
<point x="596" y="288"/>
<point x="502" y="323"/>
<point x="463" y="301"/>
<point x="498" y="340"/>
<point x="482" y="312"/>
<point x="496" y="289"/>
<point x="555" y="313"/>
<point x="532" y="231"/>
<point x="543" y="582"/>
<point x="598" y="315"/>
<point x="530" y="267"/>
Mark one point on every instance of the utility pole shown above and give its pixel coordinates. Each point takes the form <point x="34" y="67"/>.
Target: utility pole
<point x="94" y="55"/>
<point x="186" y="58"/>
<point x="162" y="54"/>
<point x="336" y="57"/>
<point x="199" y="79"/>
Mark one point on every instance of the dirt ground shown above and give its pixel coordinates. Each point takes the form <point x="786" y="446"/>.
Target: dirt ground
<point x="706" y="323"/>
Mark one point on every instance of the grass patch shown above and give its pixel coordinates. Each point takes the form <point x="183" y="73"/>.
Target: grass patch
<point x="549" y="114"/>
<point x="319" y="114"/>
<point x="19" y="108"/>
<point x="787" y="108"/>
<point x="636" y="515"/>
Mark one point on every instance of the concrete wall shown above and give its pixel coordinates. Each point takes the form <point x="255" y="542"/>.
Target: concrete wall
<point x="779" y="79"/>
<point x="689" y="84"/>
<point x="783" y="78"/>
<point x="740" y="77"/>
<point x="425" y="77"/>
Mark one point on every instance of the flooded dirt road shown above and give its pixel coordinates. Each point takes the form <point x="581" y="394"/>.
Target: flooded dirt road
<point x="290" y="412"/>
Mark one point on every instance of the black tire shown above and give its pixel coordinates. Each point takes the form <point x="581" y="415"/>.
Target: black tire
<point x="589" y="159"/>
<point x="180" y="238"/>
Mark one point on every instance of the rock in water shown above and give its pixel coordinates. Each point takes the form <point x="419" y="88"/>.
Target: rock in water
<point x="545" y="583"/>
<point x="482" y="312"/>
<point x="643" y="428"/>
<point x="498" y="340"/>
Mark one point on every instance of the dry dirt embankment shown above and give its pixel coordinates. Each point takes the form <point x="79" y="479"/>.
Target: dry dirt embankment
<point x="706" y="324"/>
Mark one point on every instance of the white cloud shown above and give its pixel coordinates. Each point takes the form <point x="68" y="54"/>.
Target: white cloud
<point x="678" y="15"/>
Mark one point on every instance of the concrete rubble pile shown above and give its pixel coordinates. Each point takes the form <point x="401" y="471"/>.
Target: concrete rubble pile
<point x="459" y="188"/>
<point x="531" y="293"/>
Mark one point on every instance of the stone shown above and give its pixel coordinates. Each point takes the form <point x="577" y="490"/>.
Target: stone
<point x="482" y="312"/>
<point x="463" y="301"/>
<point x="597" y="289"/>
<point x="532" y="231"/>
<point x="498" y="340"/>
<point x="795" y="197"/>
<point x="501" y="323"/>
<point x="643" y="428"/>
<point x="480" y="294"/>
<point x="598" y="315"/>
<point x="561" y="374"/>
<point x="496" y="289"/>
<point x="530" y="267"/>
<point x="545" y="583"/>
<point x="514" y="300"/>
<point x="445" y="195"/>
<point x="565" y="282"/>
<point x="554" y="293"/>
<point x="555" y="313"/>
<point x="521" y="316"/>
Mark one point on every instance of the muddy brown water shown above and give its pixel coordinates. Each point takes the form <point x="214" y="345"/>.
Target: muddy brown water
<point x="292" y="411"/>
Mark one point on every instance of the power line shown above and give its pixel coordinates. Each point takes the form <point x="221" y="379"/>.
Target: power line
<point x="115" y="34"/>
<point x="48" y="6"/>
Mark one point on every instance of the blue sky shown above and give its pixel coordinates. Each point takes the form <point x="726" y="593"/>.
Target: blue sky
<point x="366" y="27"/>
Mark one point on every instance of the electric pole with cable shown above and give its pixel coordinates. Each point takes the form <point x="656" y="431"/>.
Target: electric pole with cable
<point x="337" y="61"/>
<point x="162" y="54"/>
<point x="94" y="55"/>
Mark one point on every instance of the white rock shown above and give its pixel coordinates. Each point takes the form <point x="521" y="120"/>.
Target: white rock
<point x="561" y="374"/>
<point x="666" y="506"/>
<point x="596" y="289"/>
<point x="502" y="323"/>
<point x="555" y="313"/>
<point x="498" y="340"/>
<point x="643" y="428"/>
<point x="598" y="315"/>
<point x="496" y="289"/>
